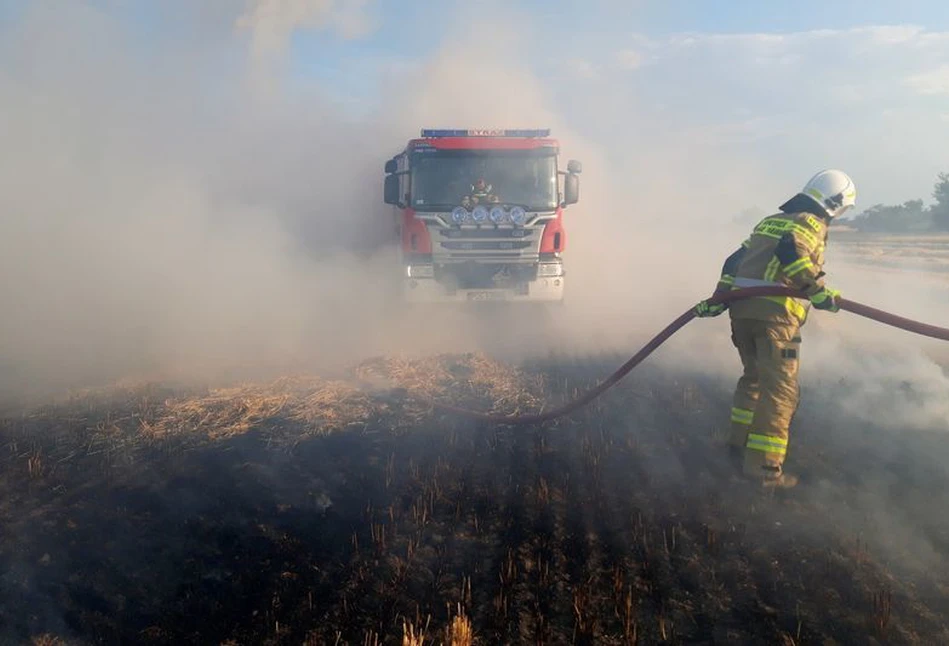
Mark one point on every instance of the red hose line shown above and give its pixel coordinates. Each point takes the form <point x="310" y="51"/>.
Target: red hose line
<point x="727" y="297"/>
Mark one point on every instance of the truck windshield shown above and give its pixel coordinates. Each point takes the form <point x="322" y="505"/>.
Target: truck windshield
<point x="444" y="179"/>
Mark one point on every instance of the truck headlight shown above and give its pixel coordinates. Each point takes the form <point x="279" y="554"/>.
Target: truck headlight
<point x="549" y="269"/>
<point x="420" y="271"/>
<point x="497" y="215"/>
<point x="518" y="216"/>
<point x="479" y="214"/>
<point x="459" y="214"/>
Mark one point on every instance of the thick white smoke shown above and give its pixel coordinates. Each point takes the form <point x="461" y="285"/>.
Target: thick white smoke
<point x="181" y="206"/>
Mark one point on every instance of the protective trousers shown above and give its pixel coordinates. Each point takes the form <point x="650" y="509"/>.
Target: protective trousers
<point x="767" y="393"/>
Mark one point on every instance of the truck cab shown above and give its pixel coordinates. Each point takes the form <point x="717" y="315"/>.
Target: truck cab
<point x="479" y="215"/>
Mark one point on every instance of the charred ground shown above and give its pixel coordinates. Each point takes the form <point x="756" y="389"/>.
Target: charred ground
<point x="325" y="512"/>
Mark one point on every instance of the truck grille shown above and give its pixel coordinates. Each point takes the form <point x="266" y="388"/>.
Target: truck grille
<point x="488" y="242"/>
<point x="487" y="245"/>
<point x="486" y="233"/>
<point x="472" y="275"/>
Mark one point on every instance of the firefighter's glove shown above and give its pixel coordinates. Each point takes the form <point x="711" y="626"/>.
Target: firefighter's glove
<point x="706" y="309"/>
<point x="826" y="299"/>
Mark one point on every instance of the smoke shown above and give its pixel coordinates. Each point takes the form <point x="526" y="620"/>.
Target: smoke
<point x="271" y="25"/>
<point x="158" y="220"/>
<point x="182" y="209"/>
<point x="273" y="22"/>
<point x="180" y="204"/>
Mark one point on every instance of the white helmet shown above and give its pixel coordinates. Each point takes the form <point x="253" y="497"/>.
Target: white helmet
<point x="833" y="190"/>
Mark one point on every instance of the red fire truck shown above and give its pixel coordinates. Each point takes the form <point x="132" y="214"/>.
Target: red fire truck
<point x="479" y="215"/>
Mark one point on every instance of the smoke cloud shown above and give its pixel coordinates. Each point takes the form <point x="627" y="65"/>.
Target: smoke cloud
<point x="177" y="204"/>
<point x="157" y="220"/>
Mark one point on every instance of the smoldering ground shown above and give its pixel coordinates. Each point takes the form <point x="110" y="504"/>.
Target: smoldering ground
<point x="620" y="520"/>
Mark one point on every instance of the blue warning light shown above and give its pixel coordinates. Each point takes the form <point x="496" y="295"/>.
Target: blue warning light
<point x="487" y="132"/>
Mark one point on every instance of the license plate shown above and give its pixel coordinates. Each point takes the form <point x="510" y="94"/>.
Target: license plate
<point x="485" y="296"/>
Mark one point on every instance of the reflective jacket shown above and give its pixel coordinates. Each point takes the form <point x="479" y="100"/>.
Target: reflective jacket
<point x="480" y="195"/>
<point x="784" y="249"/>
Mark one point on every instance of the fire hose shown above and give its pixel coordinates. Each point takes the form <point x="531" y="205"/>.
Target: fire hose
<point x="722" y="298"/>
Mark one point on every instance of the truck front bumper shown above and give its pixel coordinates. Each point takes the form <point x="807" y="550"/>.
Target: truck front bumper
<point x="428" y="290"/>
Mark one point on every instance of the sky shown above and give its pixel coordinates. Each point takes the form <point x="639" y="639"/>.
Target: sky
<point x="798" y="85"/>
<point x="795" y="85"/>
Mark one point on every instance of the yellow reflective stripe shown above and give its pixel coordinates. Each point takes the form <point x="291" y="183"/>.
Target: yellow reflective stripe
<point x="772" y="269"/>
<point x="767" y="444"/>
<point x="728" y="280"/>
<point x="742" y="416"/>
<point x="766" y="448"/>
<point x="776" y="227"/>
<point x="798" y="266"/>
<point x="768" y="439"/>
<point x="813" y="222"/>
<point x="792" y="306"/>
<point x="796" y="308"/>
<point x="770" y="232"/>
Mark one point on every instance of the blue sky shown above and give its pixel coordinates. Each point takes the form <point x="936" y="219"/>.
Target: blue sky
<point x="862" y="84"/>
<point x="584" y="30"/>
<point x="745" y="78"/>
<point x="414" y="27"/>
<point x="748" y="15"/>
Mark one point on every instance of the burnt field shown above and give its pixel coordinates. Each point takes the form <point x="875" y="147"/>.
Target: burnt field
<point x="328" y="512"/>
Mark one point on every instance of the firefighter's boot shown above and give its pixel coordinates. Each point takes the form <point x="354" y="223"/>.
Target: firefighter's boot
<point x="766" y="467"/>
<point x="782" y="480"/>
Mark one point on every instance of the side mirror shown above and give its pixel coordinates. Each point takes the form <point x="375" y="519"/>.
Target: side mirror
<point x="571" y="189"/>
<point x="391" y="167"/>
<point x="391" y="191"/>
<point x="574" y="167"/>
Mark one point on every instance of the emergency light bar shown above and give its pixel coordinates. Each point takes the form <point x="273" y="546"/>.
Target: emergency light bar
<point x="487" y="132"/>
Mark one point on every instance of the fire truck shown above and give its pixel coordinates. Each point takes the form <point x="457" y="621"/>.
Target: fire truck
<point x="479" y="215"/>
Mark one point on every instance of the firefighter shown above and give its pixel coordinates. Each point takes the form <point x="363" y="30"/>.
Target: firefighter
<point x="785" y="249"/>
<point x="482" y="192"/>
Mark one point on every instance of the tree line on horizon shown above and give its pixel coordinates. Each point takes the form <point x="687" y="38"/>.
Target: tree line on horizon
<point x="909" y="217"/>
